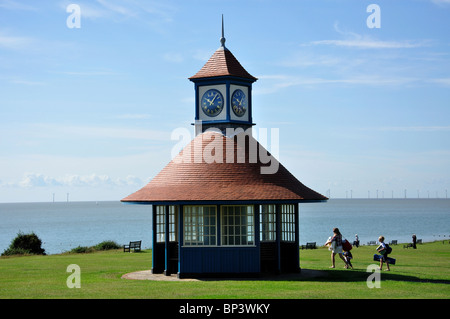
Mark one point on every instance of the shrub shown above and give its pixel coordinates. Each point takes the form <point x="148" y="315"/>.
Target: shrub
<point x="25" y="244"/>
<point x="15" y="251"/>
<point x="82" y="249"/>
<point x="107" y="245"/>
<point x="104" y="245"/>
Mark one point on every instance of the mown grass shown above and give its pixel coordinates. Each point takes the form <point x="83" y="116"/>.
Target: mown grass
<point x="422" y="273"/>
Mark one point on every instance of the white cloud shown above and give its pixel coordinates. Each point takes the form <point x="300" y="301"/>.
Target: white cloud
<point x="14" y="5"/>
<point x="52" y="130"/>
<point x="31" y="180"/>
<point x="441" y="2"/>
<point x="14" y="42"/>
<point x="365" y="43"/>
<point x="302" y="59"/>
<point x="274" y="83"/>
<point x="37" y="180"/>
<point x="118" y="8"/>
<point x="355" y="40"/>
<point x="441" y="81"/>
<point x="124" y="9"/>
<point x="416" y="128"/>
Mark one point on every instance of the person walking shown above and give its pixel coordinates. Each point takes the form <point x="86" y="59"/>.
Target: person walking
<point x="414" y="240"/>
<point x="348" y="257"/>
<point x="336" y="244"/>
<point x="356" y="242"/>
<point x="382" y="249"/>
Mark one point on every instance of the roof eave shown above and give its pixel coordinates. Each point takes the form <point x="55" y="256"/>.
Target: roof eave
<point x="223" y="202"/>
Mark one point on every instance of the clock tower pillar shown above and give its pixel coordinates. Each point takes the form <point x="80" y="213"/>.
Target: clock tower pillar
<point x="223" y="93"/>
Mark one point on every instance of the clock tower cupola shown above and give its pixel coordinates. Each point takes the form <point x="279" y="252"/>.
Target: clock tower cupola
<point x="223" y="90"/>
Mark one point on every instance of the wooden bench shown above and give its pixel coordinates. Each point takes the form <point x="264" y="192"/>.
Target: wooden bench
<point x="419" y="241"/>
<point x="372" y="242"/>
<point x="135" y="245"/>
<point x="309" y="246"/>
<point x="393" y="242"/>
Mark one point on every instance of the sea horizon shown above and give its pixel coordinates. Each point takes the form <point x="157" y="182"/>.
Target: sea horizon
<point x="141" y="203"/>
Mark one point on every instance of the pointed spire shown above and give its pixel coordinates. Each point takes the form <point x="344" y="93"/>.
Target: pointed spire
<point x="222" y="39"/>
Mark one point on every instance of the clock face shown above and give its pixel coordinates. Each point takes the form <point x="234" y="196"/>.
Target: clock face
<point x="239" y="102"/>
<point x="212" y="102"/>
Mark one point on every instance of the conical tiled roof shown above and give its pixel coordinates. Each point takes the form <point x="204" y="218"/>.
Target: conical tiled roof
<point x="222" y="63"/>
<point x="217" y="176"/>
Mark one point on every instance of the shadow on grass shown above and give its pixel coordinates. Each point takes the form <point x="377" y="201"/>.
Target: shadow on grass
<point x="330" y="275"/>
<point x="335" y="275"/>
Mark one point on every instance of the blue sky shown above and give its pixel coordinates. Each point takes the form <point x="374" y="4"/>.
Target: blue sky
<point x="89" y="111"/>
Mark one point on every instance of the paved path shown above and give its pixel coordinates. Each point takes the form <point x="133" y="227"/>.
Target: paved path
<point x="147" y="275"/>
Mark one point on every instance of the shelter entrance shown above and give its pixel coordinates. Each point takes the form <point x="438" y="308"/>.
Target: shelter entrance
<point x="279" y="238"/>
<point x="165" y="248"/>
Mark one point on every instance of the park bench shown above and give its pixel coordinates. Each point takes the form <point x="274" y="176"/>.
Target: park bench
<point x="419" y="241"/>
<point x="135" y="245"/>
<point x="309" y="246"/>
<point x="372" y="242"/>
<point x="393" y="242"/>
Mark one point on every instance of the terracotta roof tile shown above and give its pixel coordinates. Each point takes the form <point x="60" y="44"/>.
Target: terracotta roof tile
<point x="222" y="63"/>
<point x="186" y="178"/>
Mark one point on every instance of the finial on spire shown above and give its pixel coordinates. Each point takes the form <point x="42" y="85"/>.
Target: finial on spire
<point x="222" y="39"/>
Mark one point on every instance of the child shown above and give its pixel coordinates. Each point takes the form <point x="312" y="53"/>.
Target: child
<point x="348" y="256"/>
<point x="336" y="245"/>
<point x="382" y="250"/>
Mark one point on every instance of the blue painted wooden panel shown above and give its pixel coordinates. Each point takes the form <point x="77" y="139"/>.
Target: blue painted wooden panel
<point x="219" y="260"/>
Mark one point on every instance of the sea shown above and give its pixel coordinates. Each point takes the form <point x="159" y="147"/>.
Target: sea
<point x="65" y="225"/>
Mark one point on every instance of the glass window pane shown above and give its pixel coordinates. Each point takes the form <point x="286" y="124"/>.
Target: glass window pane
<point x="199" y="225"/>
<point x="237" y="225"/>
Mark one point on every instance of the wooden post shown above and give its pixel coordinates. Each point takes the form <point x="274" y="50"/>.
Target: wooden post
<point x="153" y="238"/>
<point x="180" y="239"/>
<point x="166" y="236"/>
<point x="278" y="237"/>
<point x="256" y="222"/>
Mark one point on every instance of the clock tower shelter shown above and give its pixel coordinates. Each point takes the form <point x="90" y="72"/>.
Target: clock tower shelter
<point x="222" y="217"/>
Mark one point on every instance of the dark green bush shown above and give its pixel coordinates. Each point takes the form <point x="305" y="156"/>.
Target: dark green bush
<point x="25" y="244"/>
<point x="104" y="245"/>
<point x="107" y="245"/>
<point x="82" y="249"/>
<point x="15" y="251"/>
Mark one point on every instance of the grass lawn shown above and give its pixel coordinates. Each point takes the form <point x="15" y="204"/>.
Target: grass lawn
<point x="422" y="273"/>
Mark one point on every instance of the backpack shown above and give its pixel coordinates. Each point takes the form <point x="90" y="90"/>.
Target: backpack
<point x="346" y="246"/>
<point x="388" y="249"/>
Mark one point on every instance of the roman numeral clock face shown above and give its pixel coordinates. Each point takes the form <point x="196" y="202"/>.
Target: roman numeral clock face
<point x="212" y="102"/>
